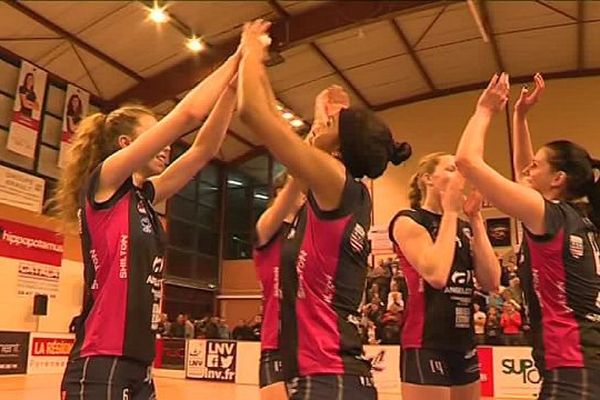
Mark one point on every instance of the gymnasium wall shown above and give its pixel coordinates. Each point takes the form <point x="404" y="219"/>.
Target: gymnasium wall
<point x="569" y="109"/>
<point x="17" y="310"/>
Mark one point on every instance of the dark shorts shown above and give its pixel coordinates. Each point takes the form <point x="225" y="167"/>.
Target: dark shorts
<point x="439" y="367"/>
<point x="570" y="384"/>
<point x="271" y="370"/>
<point x="338" y="387"/>
<point x="107" y="378"/>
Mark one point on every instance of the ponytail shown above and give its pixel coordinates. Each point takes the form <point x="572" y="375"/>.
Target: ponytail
<point x="417" y="191"/>
<point x="96" y="138"/>
<point x="415" y="196"/>
<point x="83" y="157"/>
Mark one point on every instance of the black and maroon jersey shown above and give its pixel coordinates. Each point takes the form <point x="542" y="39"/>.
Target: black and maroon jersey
<point x="267" y="261"/>
<point x="439" y="319"/>
<point x="323" y="278"/>
<point x="122" y="241"/>
<point x="560" y="276"/>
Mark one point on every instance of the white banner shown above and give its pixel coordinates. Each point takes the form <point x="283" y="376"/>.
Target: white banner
<point x="49" y="352"/>
<point x="34" y="278"/>
<point x="21" y="190"/>
<point x="515" y="375"/>
<point x="77" y="104"/>
<point x="27" y="111"/>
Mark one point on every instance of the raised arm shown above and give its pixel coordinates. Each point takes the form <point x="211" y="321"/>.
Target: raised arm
<point x="433" y="259"/>
<point x="323" y="174"/>
<point x="205" y="147"/>
<point x="519" y="201"/>
<point x="286" y="203"/>
<point x="487" y="266"/>
<point x="523" y="150"/>
<point x="187" y="115"/>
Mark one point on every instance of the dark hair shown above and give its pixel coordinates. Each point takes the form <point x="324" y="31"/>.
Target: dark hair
<point x="579" y="167"/>
<point x="70" y="109"/>
<point x="367" y="145"/>
<point x="24" y="85"/>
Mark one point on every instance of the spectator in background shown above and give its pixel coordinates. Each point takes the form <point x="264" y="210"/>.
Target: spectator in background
<point x="391" y="324"/>
<point x="212" y="328"/>
<point x="479" y="319"/>
<point x="373" y="291"/>
<point x="515" y="290"/>
<point x="178" y="328"/>
<point x="496" y="301"/>
<point x="507" y="296"/>
<point x="239" y="332"/>
<point x="511" y="324"/>
<point x="189" y="327"/>
<point x="256" y="327"/>
<point x="381" y="278"/>
<point x="395" y="297"/>
<point x="223" y="329"/>
<point x="492" y="326"/>
<point x="400" y="280"/>
<point x="164" y="326"/>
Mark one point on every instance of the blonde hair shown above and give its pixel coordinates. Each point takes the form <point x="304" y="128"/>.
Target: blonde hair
<point x="417" y="190"/>
<point x="96" y="138"/>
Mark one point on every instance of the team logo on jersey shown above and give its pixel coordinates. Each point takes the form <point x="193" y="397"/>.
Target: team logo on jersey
<point x="141" y="208"/>
<point x="468" y="234"/>
<point x="146" y="225"/>
<point x="357" y="238"/>
<point x="576" y="246"/>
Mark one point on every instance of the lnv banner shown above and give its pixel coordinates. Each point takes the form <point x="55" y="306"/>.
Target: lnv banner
<point x="212" y="360"/>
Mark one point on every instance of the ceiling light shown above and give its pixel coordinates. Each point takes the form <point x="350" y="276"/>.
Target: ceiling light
<point x="195" y="44"/>
<point x="287" y="115"/>
<point x="158" y="14"/>
<point x="234" y="182"/>
<point x="261" y="196"/>
<point x="297" y="123"/>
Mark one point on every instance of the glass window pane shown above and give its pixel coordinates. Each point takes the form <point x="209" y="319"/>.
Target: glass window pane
<point x="182" y="207"/>
<point x="182" y="234"/>
<point x="209" y="194"/>
<point x="210" y="174"/>
<point x="207" y="217"/>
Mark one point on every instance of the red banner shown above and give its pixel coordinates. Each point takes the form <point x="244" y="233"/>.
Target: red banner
<point x="486" y="363"/>
<point x="24" y="242"/>
<point x="51" y="347"/>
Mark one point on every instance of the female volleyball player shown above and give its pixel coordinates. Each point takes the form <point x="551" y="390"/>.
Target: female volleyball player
<point x="118" y="170"/>
<point x="440" y="255"/>
<point x="561" y="259"/>
<point x="323" y="277"/>
<point x="272" y="230"/>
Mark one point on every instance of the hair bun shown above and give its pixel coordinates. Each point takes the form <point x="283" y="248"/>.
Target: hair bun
<point x="400" y="153"/>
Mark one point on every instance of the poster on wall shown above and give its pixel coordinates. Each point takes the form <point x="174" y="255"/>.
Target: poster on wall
<point x="498" y="230"/>
<point x="213" y="360"/>
<point x="13" y="352"/>
<point x="21" y="190"/>
<point x="77" y="104"/>
<point x="49" y="352"/>
<point x="27" y="111"/>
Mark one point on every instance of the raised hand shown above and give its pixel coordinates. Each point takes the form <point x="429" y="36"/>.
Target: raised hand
<point x="329" y="102"/>
<point x="528" y="99"/>
<point x="453" y="196"/>
<point x="253" y="37"/>
<point x="495" y="96"/>
<point x="473" y="204"/>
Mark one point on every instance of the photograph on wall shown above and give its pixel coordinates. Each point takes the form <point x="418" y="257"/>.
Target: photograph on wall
<point x="77" y="104"/>
<point x="498" y="230"/>
<point x="27" y="111"/>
